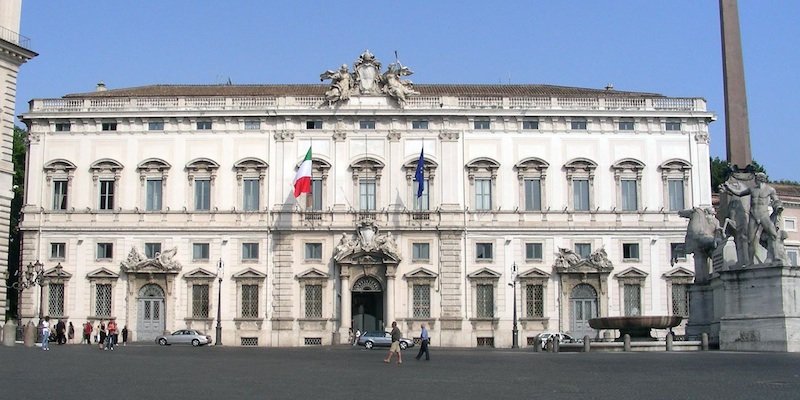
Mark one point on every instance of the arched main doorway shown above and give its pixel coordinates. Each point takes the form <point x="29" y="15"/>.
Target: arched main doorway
<point x="583" y="307"/>
<point x="367" y="304"/>
<point x="150" y="318"/>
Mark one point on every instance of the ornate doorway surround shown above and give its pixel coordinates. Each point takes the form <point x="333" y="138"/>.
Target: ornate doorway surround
<point x="580" y="276"/>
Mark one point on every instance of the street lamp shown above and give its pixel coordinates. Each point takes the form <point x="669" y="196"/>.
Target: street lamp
<point x="514" y="330"/>
<point x="220" y="268"/>
<point x="33" y="275"/>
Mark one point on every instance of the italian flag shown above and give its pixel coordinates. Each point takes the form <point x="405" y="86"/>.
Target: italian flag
<point x="302" y="181"/>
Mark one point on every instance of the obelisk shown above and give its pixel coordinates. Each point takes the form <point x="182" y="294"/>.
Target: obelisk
<point x="737" y="131"/>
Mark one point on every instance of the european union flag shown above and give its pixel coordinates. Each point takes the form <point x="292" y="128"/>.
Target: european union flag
<point x="419" y="175"/>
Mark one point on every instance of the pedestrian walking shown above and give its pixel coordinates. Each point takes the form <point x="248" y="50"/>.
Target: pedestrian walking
<point x="101" y="334"/>
<point x="71" y="333"/>
<point x="111" y="338"/>
<point x="46" y="333"/>
<point x="395" y="348"/>
<point x="358" y="335"/>
<point x="87" y="332"/>
<point x="61" y="329"/>
<point x="125" y="335"/>
<point x="424" y="339"/>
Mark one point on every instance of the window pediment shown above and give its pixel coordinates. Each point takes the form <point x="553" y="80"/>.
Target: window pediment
<point x="250" y="164"/>
<point x="483" y="274"/>
<point x="532" y="164"/>
<point x="628" y="164"/>
<point x="102" y="273"/>
<point x="57" y="273"/>
<point x="153" y="165"/>
<point x="202" y="164"/>
<point x="632" y="273"/>
<point x="249" y="273"/>
<point x="483" y="164"/>
<point x="312" y="273"/>
<point x="533" y="274"/>
<point x="678" y="273"/>
<point x="199" y="273"/>
<point x="580" y="164"/>
<point x="105" y="166"/>
<point x="420" y="274"/>
<point x="675" y="164"/>
<point x="59" y="166"/>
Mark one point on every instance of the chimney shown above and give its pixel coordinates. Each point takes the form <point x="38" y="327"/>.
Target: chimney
<point x="101" y="87"/>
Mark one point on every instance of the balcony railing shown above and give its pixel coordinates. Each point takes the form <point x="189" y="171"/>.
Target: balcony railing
<point x="14" y="37"/>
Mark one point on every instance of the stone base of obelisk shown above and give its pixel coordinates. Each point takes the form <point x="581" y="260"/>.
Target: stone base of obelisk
<point x="752" y="309"/>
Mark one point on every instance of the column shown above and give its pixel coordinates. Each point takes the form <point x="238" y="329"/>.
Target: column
<point x="389" y="300"/>
<point x="346" y="312"/>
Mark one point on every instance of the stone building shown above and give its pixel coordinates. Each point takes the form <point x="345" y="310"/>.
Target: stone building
<point x="14" y="51"/>
<point x="162" y="205"/>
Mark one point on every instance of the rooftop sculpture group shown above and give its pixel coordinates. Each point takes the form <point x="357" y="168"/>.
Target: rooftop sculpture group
<point x="366" y="79"/>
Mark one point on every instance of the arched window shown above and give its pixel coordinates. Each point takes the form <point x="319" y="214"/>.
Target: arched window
<point x="580" y="183"/>
<point x="153" y="177"/>
<point x="628" y="181"/>
<point x="482" y="175"/>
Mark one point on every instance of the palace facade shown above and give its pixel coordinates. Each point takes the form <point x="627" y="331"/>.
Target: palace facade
<point x="166" y="205"/>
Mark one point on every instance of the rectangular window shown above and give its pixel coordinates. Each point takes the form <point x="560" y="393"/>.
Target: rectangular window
<point x="203" y="125"/>
<point x="792" y="252"/>
<point x="315" y="199"/>
<point x="108" y="126"/>
<point x="534" y="301"/>
<point x="790" y="224"/>
<point x="422" y="203"/>
<point x="626" y="124"/>
<point x="680" y="300"/>
<point x="672" y="125"/>
<point x="420" y="251"/>
<point x="249" y="251"/>
<point x="675" y="187"/>
<point x="484" y="297"/>
<point x="366" y="124"/>
<point x="483" y="251"/>
<point x="482" y="124"/>
<point x="632" y="299"/>
<point x="152" y="249"/>
<point x="63" y="126"/>
<point x="628" y="195"/>
<point x="106" y="195"/>
<point x="483" y="194"/>
<point x="249" y="301"/>
<point x="153" y="196"/>
<point x="250" y="194"/>
<point x="200" y="301"/>
<point x="155" y="126"/>
<point x="102" y="300"/>
<point x="533" y="195"/>
<point x="313" y="301"/>
<point x="677" y="252"/>
<point x="252" y="125"/>
<point x="60" y="195"/>
<point x="530" y="124"/>
<point x="200" y="251"/>
<point x="314" y="124"/>
<point x="55" y="299"/>
<point x="366" y="194"/>
<point x="630" y="251"/>
<point x="578" y="124"/>
<point x="419" y="124"/>
<point x="105" y="251"/>
<point x="533" y="251"/>
<point x="580" y="194"/>
<point x="583" y="249"/>
<point x="58" y="251"/>
<point x="202" y="195"/>
<point x="313" y="251"/>
<point x="422" y="301"/>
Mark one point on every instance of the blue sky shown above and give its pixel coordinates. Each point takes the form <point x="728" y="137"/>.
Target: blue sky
<point x="668" y="47"/>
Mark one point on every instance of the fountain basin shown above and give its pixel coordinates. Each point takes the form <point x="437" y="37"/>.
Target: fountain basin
<point x="637" y="327"/>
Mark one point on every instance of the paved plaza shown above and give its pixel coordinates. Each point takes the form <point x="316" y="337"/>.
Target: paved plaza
<point x="345" y="372"/>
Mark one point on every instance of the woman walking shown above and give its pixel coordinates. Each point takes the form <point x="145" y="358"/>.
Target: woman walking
<point x="46" y="333"/>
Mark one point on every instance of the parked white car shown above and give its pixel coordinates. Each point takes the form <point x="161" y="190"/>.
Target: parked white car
<point x="544" y="337"/>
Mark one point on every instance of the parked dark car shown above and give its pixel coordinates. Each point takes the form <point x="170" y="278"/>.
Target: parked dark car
<point x="382" y="339"/>
<point x="184" y="336"/>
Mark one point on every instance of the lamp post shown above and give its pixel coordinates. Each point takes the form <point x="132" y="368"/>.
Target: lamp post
<point x="32" y="276"/>
<point x="220" y="268"/>
<point x="514" y="330"/>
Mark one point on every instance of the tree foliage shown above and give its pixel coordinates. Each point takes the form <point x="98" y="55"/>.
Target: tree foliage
<point x="720" y="169"/>
<point x="19" y="148"/>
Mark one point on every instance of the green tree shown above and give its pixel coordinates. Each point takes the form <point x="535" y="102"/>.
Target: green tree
<point x="19" y="149"/>
<point x="720" y="169"/>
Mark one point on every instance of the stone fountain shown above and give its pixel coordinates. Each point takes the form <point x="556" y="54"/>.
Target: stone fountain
<point x="638" y="327"/>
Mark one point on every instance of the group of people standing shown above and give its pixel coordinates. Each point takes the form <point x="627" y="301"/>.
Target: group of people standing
<point x="106" y="336"/>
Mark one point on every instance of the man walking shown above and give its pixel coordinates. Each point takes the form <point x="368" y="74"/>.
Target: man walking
<point x="423" y="344"/>
<point x="112" y="334"/>
<point x="396" y="335"/>
<point x="87" y="332"/>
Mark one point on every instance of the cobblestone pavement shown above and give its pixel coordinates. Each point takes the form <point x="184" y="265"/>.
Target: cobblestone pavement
<point x="345" y="372"/>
